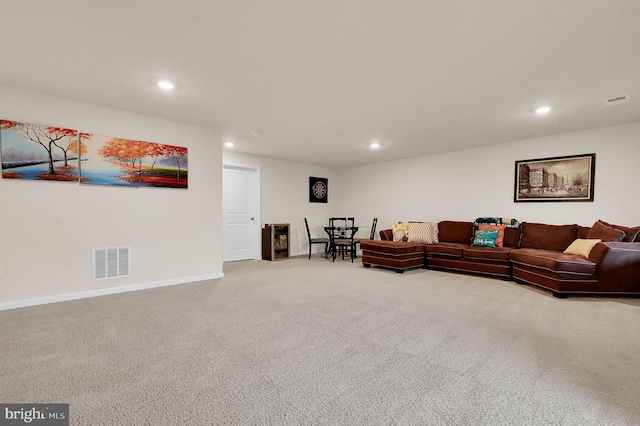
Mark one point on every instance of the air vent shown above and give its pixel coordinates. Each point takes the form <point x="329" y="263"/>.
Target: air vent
<point x="111" y="262"/>
<point x="616" y="100"/>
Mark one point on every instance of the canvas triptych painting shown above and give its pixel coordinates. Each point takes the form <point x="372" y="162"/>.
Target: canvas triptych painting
<point x="37" y="152"/>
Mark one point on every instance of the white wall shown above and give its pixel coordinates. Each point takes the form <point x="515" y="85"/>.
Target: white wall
<point x="48" y="229"/>
<point x="285" y="196"/>
<point x="467" y="184"/>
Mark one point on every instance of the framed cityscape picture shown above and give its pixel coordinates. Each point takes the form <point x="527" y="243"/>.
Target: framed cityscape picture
<point x="318" y="189"/>
<point x="568" y="178"/>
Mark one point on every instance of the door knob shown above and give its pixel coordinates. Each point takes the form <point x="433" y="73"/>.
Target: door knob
<point x="253" y="218"/>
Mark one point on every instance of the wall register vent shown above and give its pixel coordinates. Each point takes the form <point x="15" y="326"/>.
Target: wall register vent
<point x="111" y="262"/>
<point x="616" y="100"/>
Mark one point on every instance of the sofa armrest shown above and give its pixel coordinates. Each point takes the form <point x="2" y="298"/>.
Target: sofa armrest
<point x="618" y="266"/>
<point x="386" y="235"/>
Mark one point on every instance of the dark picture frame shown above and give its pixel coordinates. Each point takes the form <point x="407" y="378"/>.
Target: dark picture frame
<point x="318" y="190"/>
<point x="555" y="179"/>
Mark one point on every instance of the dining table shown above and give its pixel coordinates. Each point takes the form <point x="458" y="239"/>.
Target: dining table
<point x="341" y="241"/>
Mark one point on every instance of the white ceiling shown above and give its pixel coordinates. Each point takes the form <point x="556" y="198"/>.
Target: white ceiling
<point x="321" y="79"/>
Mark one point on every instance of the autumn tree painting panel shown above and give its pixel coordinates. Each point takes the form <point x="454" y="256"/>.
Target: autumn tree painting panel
<point x="164" y="166"/>
<point x="109" y="161"/>
<point x="38" y="152"/>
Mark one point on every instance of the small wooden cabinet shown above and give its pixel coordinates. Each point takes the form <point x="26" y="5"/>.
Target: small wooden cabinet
<point x="275" y="241"/>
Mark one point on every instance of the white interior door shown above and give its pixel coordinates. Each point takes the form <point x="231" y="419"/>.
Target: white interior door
<point x="241" y="230"/>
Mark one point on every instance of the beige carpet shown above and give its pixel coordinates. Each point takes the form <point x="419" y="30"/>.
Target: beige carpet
<point x="318" y="343"/>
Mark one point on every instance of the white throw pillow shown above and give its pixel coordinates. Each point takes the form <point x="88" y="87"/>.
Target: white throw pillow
<point x="423" y="232"/>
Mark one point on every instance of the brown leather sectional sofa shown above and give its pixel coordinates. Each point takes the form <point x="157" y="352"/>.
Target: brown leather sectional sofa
<point x="531" y="254"/>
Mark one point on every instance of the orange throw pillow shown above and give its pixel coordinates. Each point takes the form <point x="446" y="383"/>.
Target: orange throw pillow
<point x="499" y="228"/>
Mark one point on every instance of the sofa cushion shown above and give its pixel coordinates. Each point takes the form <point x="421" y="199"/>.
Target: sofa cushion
<point x="391" y="247"/>
<point x="553" y="261"/>
<point x="423" y="232"/>
<point x="445" y="249"/>
<point x="487" y="253"/>
<point x="512" y="237"/>
<point x="386" y="235"/>
<point x="631" y="234"/>
<point x="547" y="237"/>
<point x="605" y="233"/>
<point x="583" y="231"/>
<point x="450" y="231"/>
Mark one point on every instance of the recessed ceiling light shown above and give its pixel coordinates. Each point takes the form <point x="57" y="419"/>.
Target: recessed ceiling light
<point x="165" y="85"/>
<point x="375" y="144"/>
<point x="543" y="109"/>
<point x="228" y="144"/>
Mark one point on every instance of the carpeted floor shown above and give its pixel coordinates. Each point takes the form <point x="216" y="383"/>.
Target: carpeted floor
<point x="310" y="342"/>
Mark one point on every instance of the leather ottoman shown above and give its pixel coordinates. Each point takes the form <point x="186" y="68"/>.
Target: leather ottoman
<point x="396" y="255"/>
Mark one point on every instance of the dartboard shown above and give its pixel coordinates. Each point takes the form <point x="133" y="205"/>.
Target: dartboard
<point x="319" y="189"/>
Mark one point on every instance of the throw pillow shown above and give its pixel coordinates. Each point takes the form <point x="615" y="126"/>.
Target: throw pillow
<point x="423" y="232"/>
<point x="485" y="238"/>
<point x="631" y="234"/>
<point x="581" y="247"/>
<point x="605" y="233"/>
<point x="400" y="231"/>
<point x="499" y="228"/>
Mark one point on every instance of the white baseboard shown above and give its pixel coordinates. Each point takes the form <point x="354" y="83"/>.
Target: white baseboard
<point x="105" y="291"/>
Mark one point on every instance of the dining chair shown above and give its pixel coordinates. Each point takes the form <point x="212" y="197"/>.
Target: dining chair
<point x="344" y="244"/>
<point x="313" y="241"/>
<point x="372" y="235"/>
<point x="341" y="222"/>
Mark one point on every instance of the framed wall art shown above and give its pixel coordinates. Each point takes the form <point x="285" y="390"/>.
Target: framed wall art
<point x="318" y="190"/>
<point x="122" y="162"/>
<point x="568" y="178"/>
<point x="109" y="161"/>
<point x="38" y="152"/>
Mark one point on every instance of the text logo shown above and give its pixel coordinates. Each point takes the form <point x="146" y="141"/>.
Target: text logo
<point x="34" y="414"/>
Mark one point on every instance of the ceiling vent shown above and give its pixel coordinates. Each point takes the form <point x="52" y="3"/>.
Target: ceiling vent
<point x="111" y="262"/>
<point x="616" y="100"/>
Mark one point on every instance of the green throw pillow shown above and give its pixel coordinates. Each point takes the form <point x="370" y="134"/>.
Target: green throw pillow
<point x="485" y="238"/>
